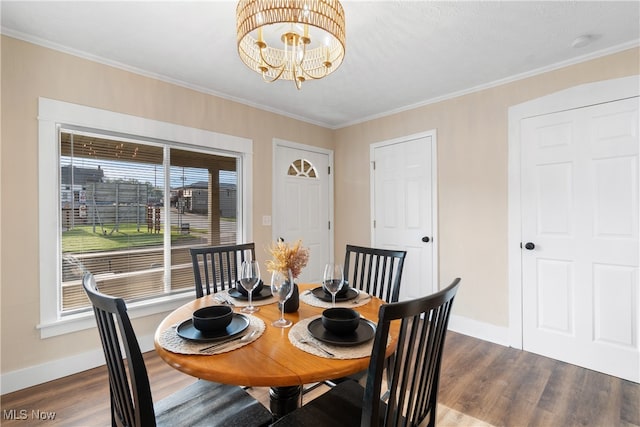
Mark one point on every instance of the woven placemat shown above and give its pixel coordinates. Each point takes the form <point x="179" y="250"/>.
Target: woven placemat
<point x="170" y="340"/>
<point x="245" y="302"/>
<point x="300" y="332"/>
<point x="307" y="297"/>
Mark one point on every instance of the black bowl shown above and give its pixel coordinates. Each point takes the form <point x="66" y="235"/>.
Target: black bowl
<point x="255" y="292"/>
<point x="342" y="292"/>
<point x="340" y="320"/>
<point x="213" y="318"/>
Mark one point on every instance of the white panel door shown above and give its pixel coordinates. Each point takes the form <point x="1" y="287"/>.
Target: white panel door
<point x="580" y="221"/>
<point x="403" y="209"/>
<point x="301" y="207"/>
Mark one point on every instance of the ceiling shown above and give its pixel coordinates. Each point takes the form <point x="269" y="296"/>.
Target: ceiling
<point x="400" y="54"/>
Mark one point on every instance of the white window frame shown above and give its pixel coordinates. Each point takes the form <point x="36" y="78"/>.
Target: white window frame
<point x="53" y="114"/>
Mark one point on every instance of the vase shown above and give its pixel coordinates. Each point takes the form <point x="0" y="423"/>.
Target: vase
<point x="291" y="305"/>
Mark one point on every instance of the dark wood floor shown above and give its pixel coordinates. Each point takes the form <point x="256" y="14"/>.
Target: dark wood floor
<point x="498" y="385"/>
<point x="508" y="387"/>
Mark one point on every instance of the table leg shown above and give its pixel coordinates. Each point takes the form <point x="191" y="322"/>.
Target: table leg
<point x="284" y="400"/>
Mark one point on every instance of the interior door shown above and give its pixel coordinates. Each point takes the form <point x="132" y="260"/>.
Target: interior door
<point x="302" y="206"/>
<point x="403" y="208"/>
<point x="580" y="229"/>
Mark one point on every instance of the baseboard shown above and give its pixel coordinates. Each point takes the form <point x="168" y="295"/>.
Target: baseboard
<point x="55" y="369"/>
<point x="481" y="330"/>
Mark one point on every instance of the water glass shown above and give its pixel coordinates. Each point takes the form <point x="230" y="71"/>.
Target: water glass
<point x="282" y="287"/>
<point x="333" y="280"/>
<point x="249" y="279"/>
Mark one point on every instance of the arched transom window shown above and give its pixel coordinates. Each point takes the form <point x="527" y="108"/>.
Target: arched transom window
<point x="302" y="168"/>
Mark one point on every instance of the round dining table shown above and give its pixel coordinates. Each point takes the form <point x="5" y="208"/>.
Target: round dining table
<point x="271" y="360"/>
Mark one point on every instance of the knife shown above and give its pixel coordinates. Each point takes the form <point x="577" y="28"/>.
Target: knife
<point x="219" y="343"/>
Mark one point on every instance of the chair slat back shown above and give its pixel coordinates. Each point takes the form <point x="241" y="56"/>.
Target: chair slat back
<point x="375" y="271"/>
<point x="131" y="400"/>
<point x="217" y="268"/>
<point x="415" y="369"/>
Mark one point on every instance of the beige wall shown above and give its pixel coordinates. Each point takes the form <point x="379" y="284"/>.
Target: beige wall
<point x="472" y="148"/>
<point x="472" y="177"/>
<point x="29" y="72"/>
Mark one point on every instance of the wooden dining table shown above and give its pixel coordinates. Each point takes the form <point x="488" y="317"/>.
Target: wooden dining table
<point x="271" y="360"/>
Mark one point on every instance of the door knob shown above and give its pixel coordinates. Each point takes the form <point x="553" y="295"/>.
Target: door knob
<point x="425" y="239"/>
<point x="529" y="246"/>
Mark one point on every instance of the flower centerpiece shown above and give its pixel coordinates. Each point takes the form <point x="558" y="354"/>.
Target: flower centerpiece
<point x="285" y="258"/>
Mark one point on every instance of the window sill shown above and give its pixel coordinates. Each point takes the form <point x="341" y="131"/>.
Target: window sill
<point x="86" y="320"/>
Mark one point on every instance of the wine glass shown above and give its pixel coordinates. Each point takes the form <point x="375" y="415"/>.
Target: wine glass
<point x="282" y="286"/>
<point x="249" y="279"/>
<point x="333" y="280"/>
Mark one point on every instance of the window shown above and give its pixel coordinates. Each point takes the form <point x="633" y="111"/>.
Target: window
<point x="303" y="168"/>
<point x="116" y="210"/>
<point x="130" y="207"/>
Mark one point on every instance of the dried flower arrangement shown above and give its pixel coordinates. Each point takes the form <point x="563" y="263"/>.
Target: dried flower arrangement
<point x="285" y="257"/>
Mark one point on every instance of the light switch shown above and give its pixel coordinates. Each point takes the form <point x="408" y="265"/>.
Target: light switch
<point x="266" y="219"/>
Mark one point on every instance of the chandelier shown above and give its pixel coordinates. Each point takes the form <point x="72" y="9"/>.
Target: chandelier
<point x="295" y="40"/>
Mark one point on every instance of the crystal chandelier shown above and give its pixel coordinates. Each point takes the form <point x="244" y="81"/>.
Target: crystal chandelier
<point x="295" y="40"/>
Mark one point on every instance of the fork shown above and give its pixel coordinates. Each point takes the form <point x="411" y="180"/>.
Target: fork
<point x="222" y="300"/>
<point x="312" y="343"/>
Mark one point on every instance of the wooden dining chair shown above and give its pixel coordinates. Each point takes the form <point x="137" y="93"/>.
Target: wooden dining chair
<point x="375" y="271"/>
<point x="216" y="268"/>
<point x="203" y="403"/>
<point x="415" y="372"/>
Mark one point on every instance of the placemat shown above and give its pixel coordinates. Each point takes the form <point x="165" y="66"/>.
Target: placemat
<point x="244" y="303"/>
<point x="169" y="340"/>
<point x="300" y="332"/>
<point x="308" y="298"/>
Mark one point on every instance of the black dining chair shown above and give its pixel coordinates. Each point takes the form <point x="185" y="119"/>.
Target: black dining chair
<point x="202" y="403"/>
<point x="216" y="268"/>
<point x="375" y="271"/>
<point x="415" y="372"/>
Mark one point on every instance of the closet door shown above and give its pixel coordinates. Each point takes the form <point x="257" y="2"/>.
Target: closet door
<point x="580" y="221"/>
